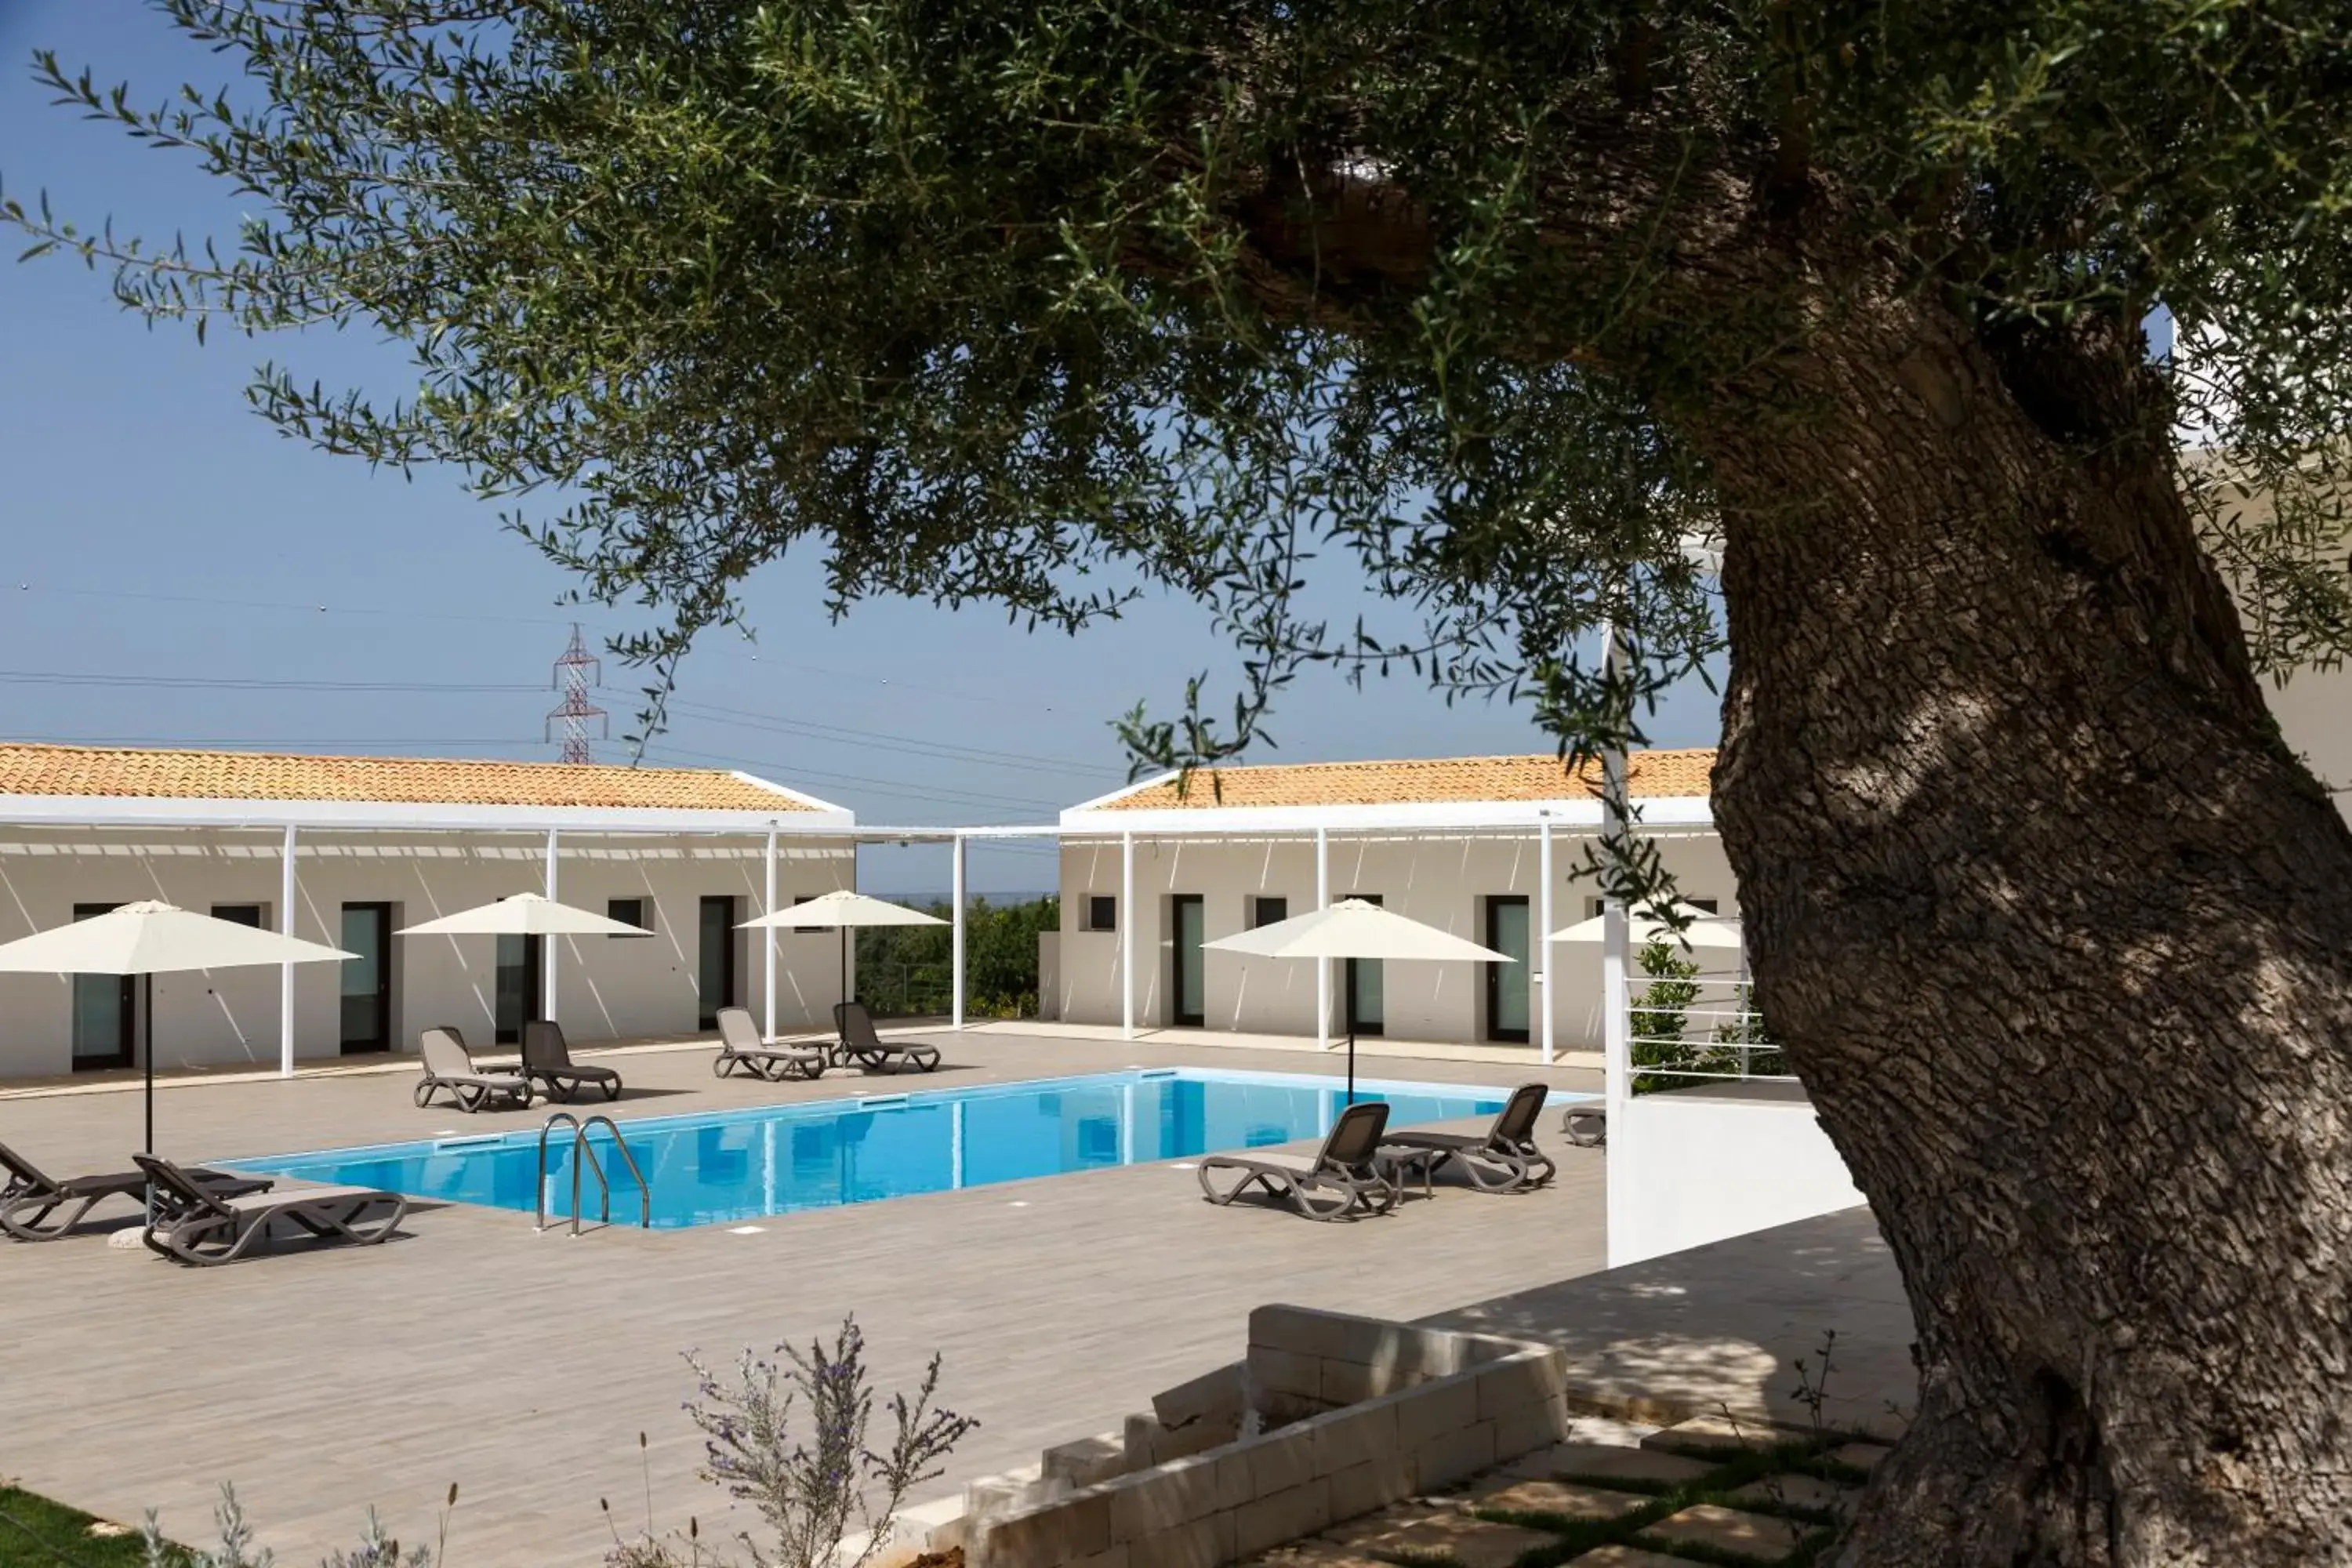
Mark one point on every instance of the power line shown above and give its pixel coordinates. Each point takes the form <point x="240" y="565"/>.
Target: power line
<point x="811" y="729"/>
<point x="880" y="786"/>
<point x="410" y="612"/>
<point x="306" y="741"/>
<point x="243" y="683"/>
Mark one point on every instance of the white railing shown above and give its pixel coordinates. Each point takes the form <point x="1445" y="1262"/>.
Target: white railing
<point x="1714" y="1034"/>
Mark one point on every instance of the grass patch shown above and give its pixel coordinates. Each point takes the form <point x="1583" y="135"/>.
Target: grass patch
<point x="37" y="1533"/>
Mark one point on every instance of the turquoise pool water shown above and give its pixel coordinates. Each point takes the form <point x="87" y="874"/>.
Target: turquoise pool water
<point x="771" y="1160"/>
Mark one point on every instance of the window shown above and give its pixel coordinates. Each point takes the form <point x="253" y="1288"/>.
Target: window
<point x="254" y="915"/>
<point x="1102" y="912"/>
<point x="1712" y="906"/>
<point x="637" y="913"/>
<point x="1265" y="911"/>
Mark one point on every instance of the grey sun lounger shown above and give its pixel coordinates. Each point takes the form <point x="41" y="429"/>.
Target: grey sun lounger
<point x="547" y="1060"/>
<point x="1586" y="1125"/>
<point x="449" y="1069"/>
<point x="739" y="1045"/>
<point x="1503" y="1158"/>
<point x="30" y="1197"/>
<point x="206" y="1229"/>
<point x="868" y="1049"/>
<point x="1344" y="1179"/>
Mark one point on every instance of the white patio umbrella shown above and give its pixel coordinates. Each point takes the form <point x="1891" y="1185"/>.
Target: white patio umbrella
<point x="1705" y="929"/>
<point x="524" y="914"/>
<point x="1355" y="928"/>
<point x="842" y="908"/>
<point x="151" y="938"/>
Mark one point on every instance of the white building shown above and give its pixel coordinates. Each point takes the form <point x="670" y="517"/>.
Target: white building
<point x="346" y="851"/>
<point x="1485" y="848"/>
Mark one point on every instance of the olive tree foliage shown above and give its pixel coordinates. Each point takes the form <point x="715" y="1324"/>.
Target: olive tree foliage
<point x="1039" y="306"/>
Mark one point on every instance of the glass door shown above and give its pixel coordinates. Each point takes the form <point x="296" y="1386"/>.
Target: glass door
<point x="1506" y="983"/>
<point x="521" y="984"/>
<point x="715" y="959"/>
<point x="367" y="978"/>
<point x="1188" y="987"/>
<point x="1367" y="979"/>
<point x="104" y="1007"/>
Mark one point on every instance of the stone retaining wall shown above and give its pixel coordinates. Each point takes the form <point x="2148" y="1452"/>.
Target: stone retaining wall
<point x="1357" y="1413"/>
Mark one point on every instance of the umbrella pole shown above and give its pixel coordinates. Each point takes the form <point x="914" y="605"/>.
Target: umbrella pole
<point x="147" y="1028"/>
<point x="1351" y="1061"/>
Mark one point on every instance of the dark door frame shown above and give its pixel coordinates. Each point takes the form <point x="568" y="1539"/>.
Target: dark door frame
<point x="1364" y="1028"/>
<point x="382" y="1041"/>
<point x="731" y="979"/>
<point x="1497" y="973"/>
<point x="534" y="991"/>
<point x="1176" y="974"/>
<point x="126" y="1053"/>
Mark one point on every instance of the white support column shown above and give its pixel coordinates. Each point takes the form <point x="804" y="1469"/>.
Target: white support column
<point x="1126" y="935"/>
<point x="1323" y="965"/>
<point x="767" y="939"/>
<point x="1543" y="935"/>
<point x="285" y="895"/>
<point x="547" y="943"/>
<point x="956" y="936"/>
<point x="1615" y="931"/>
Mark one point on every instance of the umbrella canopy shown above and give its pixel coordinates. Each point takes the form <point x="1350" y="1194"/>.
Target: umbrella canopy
<point x="525" y="914"/>
<point x="1705" y="929"/>
<point x="1354" y="929"/>
<point x="843" y="908"/>
<point x="151" y="938"/>
<point x="154" y="938"/>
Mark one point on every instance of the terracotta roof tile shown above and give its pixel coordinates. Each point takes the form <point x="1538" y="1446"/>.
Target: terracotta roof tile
<point x="1431" y="780"/>
<point x="29" y="769"/>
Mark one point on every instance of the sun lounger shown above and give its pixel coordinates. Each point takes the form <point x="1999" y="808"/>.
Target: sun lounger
<point x="739" y="1045"/>
<point x="547" y="1060"/>
<point x="449" y="1069"/>
<point x="1344" y="1179"/>
<point x="29" y="1197"/>
<point x="860" y="1043"/>
<point x="1503" y="1158"/>
<point x="204" y="1228"/>
<point x="1586" y="1125"/>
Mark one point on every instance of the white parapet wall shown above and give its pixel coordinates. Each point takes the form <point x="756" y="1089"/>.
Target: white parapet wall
<point x="1687" y="1168"/>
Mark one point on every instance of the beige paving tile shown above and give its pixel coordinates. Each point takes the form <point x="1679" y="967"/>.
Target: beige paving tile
<point x="1472" y="1542"/>
<point x="1714" y="1433"/>
<point x="1562" y="1497"/>
<point x="1609" y="1459"/>
<point x="1863" y="1457"/>
<point x="1756" y="1535"/>
<point x="1800" y="1491"/>
<point x="1626" y="1557"/>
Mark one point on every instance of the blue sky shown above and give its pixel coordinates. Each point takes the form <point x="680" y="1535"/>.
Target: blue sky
<point x="165" y="555"/>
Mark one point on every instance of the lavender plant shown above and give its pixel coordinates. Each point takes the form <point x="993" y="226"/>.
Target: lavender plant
<point x="237" y="1548"/>
<point x="809" y="1490"/>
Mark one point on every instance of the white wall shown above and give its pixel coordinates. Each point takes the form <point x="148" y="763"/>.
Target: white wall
<point x="2313" y="709"/>
<point x="1440" y="880"/>
<point x="607" y="988"/>
<point x="1684" y="1170"/>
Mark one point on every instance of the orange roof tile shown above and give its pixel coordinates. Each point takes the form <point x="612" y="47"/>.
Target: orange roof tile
<point x="44" y="770"/>
<point x="1420" y="781"/>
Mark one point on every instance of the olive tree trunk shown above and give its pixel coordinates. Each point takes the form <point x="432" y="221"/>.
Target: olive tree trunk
<point x="2059" y="936"/>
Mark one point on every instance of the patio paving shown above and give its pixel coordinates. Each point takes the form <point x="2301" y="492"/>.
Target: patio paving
<point x="523" y="1367"/>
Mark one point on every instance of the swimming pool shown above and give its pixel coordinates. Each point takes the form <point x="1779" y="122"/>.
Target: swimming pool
<point x="769" y="1159"/>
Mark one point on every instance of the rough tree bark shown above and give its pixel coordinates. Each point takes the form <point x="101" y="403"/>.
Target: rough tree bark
<point x="2058" y="936"/>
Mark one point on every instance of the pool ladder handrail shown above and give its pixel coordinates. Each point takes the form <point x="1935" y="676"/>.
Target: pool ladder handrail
<point x="584" y="1153"/>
